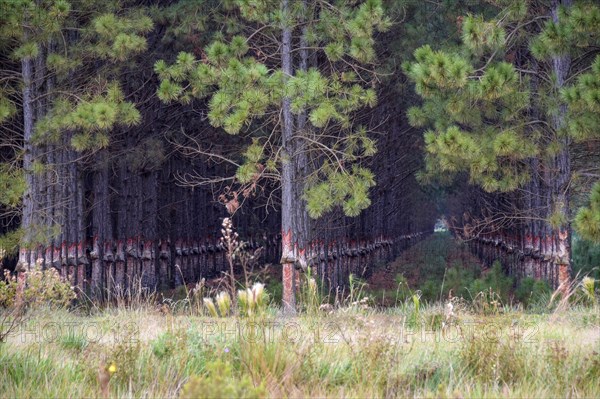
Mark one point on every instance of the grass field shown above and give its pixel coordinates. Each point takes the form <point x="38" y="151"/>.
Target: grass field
<point x="350" y="352"/>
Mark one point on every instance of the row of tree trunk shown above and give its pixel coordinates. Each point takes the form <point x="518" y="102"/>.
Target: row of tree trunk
<point x="513" y="228"/>
<point x="522" y="254"/>
<point x="102" y="267"/>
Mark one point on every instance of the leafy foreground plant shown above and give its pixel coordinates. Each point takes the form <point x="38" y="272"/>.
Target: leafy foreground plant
<point x="34" y="289"/>
<point x="250" y="302"/>
<point x="30" y="290"/>
<point x="223" y="306"/>
<point x="219" y="382"/>
<point x="253" y="301"/>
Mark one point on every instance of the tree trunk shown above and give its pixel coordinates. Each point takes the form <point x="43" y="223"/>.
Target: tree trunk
<point x="148" y="225"/>
<point x="301" y="171"/>
<point x="40" y="184"/>
<point x="27" y="218"/>
<point x="288" y="202"/>
<point x="102" y="225"/>
<point x="561" y="166"/>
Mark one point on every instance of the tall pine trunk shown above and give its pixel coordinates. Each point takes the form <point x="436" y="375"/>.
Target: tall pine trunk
<point x="29" y="213"/>
<point x="301" y="168"/>
<point x="561" y="166"/>
<point x="294" y="216"/>
<point x="288" y="206"/>
<point x="27" y="216"/>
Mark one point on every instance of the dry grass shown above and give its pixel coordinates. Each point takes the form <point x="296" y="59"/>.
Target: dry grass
<point x="349" y="352"/>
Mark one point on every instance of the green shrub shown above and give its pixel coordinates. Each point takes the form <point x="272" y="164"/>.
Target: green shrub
<point x="164" y="346"/>
<point x="8" y="290"/>
<point x="586" y="257"/>
<point x="477" y="286"/>
<point x="275" y="289"/>
<point x="435" y="266"/>
<point x="430" y="290"/>
<point x="40" y="288"/>
<point x="457" y="281"/>
<point x="531" y="291"/>
<point x="219" y="382"/>
<point x="495" y="281"/>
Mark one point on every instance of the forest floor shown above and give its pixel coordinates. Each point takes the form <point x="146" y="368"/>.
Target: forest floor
<point x="449" y="347"/>
<point x="425" y="261"/>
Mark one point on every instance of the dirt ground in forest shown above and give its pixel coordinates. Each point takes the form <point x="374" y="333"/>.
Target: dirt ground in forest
<point x="437" y="252"/>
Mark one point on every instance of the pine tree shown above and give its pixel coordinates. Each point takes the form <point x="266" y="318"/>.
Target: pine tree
<point x="70" y="54"/>
<point x="291" y="75"/>
<point x="502" y="110"/>
<point x="587" y="220"/>
<point x="582" y="122"/>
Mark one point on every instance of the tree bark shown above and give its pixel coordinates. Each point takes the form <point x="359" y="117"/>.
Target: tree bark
<point x="288" y="203"/>
<point x="561" y="166"/>
<point x="27" y="218"/>
<point x="301" y="169"/>
<point x="102" y="225"/>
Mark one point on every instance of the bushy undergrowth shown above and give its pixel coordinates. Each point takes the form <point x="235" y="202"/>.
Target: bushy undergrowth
<point x="35" y="288"/>
<point x="586" y="258"/>
<point x="29" y="291"/>
<point x="440" y="268"/>
<point x="531" y="291"/>
<point x="220" y="382"/>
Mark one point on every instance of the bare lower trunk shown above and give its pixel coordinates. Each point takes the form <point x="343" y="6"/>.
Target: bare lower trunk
<point x="102" y="225"/>
<point x="148" y="225"/>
